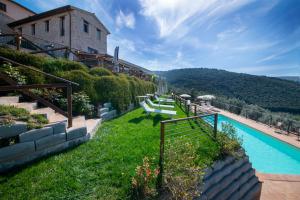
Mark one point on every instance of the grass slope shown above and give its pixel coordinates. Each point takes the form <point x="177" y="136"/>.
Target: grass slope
<point x="99" y="169"/>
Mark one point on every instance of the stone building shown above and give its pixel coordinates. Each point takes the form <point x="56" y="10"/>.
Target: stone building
<point x="67" y="26"/>
<point x="11" y="11"/>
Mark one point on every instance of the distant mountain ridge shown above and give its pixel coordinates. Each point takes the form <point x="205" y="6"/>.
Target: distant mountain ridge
<point x="272" y="93"/>
<point x="290" y="78"/>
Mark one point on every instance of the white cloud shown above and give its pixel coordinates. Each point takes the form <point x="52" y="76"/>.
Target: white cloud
<point x="94" y="6"/>
<point x="176" y="17"/>
<point x="229" y="33"/>
<point x="126" y="46"/>
<point x="123" y="20"/>
<point x="280" y="52"/>
<point x="178" y="55"/>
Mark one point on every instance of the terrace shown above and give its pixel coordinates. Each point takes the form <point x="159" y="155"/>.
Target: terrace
<point x="104" y="166"/>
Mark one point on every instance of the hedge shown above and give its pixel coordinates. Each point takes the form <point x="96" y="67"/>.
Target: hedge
<point x="99" y="84"/>
<point x="47" y="64"/>
<point x="99" y="71"/>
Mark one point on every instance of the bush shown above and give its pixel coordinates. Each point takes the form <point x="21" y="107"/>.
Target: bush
<point x="99" y="84"/>
<point x="46" y="64"/>
<point x="144" y="180"/>
<point x="229" y="143"/>
<point x="13" y="73"/>
<point x="182" y="175"/>
<point x="100" y="71"/>
<point x="85" y="81"/>
<point x="81" y="104"/>
<point x="111" y="91"/>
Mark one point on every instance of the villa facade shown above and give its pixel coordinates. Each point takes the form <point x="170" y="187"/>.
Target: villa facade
<point x="11" y="11"/>
<point x="68" y="26"/>
<point x="67" y="31"/>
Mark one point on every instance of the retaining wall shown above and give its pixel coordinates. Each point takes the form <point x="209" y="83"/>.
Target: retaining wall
<point x="230" y="179"/>
<point x="37" y="143"/>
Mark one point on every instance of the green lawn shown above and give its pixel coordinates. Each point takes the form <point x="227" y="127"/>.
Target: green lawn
<point x="99" y="169"/>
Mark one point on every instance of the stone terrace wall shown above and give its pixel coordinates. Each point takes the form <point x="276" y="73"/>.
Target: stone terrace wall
<point x="37" y="143"/>
<point x="230" y="179"/>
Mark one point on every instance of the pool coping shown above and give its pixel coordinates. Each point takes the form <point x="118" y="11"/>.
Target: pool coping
<point x="279" y="186"/>
<point x="278" y="177"/>
<point x="263" y="128"/>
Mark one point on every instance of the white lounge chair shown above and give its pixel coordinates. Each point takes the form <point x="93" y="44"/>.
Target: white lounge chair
<point x="158" y="105"/>
<point x="164" y="100"/>
<point x="149" y="110"/>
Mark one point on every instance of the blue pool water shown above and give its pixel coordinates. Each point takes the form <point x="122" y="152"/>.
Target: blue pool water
<point x="267" y="154"/>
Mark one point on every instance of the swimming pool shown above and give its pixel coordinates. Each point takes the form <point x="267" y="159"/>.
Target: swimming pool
<point x="267" y="154"/>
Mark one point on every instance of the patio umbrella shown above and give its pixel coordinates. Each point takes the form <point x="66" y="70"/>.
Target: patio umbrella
<point x="206" y="97"/>
<point x="185" y="96"/>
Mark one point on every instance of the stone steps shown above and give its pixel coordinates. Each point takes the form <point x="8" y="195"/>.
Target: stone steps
<point x="29" y="106"/>
<point x="55" y="117"/>
<point x="47" y="112"/>
<point x="107" y="112"/>
<point x="9" y="99"/>
<point x="230" y="179"/>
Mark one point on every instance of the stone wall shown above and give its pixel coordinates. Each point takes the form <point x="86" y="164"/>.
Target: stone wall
<point x="37" y="143"/>
<point x="230" y="179"/>
<point x="76" y="38"/>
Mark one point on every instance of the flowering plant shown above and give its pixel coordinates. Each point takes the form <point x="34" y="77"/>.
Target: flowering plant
<point x="144" y="180"/>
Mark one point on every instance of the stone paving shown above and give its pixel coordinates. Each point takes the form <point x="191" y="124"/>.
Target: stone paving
<point x="279" y="187"/>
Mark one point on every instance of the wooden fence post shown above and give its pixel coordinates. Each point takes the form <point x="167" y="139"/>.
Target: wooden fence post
<point x="161" y="154"/>
<point x="215" y="125"/>
<point x="69" y="99"/>
<point x="18" y="42"/>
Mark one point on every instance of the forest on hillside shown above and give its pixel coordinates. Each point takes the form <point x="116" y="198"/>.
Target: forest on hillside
<point x="271" y="93"/>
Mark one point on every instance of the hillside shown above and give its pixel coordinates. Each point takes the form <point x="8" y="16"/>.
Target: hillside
<point x="271" y="93"/>
<point x="291" y="78"/>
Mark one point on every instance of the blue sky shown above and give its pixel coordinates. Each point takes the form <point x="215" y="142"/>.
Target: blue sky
<point x="257" y="37"/>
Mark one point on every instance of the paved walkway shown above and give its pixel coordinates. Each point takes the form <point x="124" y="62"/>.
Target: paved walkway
<point x="279" y="187"/>
<point x="290" y="139"/>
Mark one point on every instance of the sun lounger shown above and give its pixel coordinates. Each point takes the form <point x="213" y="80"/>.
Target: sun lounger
<point x="158" y="105"/>
<point x="149" y="110"/>
<point x="164" y="100"/>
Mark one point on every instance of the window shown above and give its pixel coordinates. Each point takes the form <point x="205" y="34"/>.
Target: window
<point x="62" y="26"/>
<point x="3" y="7"/>
<point x="91" y="50"/>
<point x="85" y="26"/>
<point x="47" y="26"/>
<point x="32" y="29"/>
<point x="20" y="30"/>
<point x="98" y="34"/>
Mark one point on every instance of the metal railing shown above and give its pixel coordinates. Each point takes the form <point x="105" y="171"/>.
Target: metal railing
<point x="36" y="45"/>
<point x="25" y="89"/>
<point x="178" y="129"/>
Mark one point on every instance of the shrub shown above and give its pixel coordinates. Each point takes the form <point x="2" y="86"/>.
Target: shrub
<point x="111" y="91"/>
<point x="182" y="175"/>
<point x="13" y="73"/>
<point x="228" y="141"/>
<point x="144" y="180"/>
<point x="62" y="65"/>
<point x="99" y="84"/>
<point x="100" y="71"/>
<point x="85" y="81"/>
<point x="46" y="64"/>
<point x="81" y="104"/>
